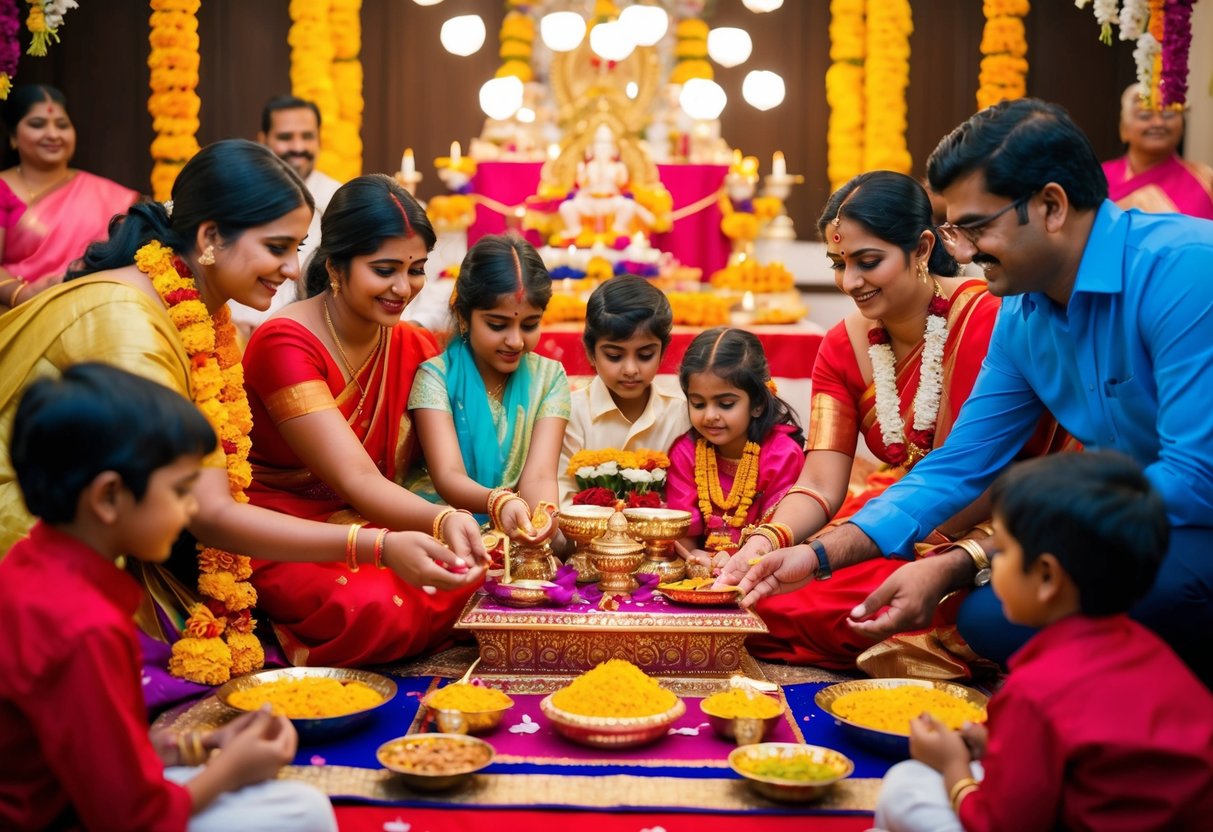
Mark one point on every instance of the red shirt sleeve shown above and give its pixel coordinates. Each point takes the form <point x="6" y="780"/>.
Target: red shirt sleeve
<point x="89" y="718"/>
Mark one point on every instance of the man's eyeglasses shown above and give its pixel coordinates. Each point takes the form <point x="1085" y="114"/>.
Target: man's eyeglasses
<point x="950" y="233"/>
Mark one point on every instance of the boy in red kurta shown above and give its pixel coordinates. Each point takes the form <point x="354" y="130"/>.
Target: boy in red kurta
<point x="1099" y="725"/>
<point x="107" y="461"/>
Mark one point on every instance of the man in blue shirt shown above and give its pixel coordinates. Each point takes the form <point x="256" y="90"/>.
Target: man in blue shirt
<point x="1107" y="322"/>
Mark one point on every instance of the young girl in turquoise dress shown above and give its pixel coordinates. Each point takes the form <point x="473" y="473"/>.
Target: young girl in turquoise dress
<point x="744" y="449"/>
<point x="490" y="413"/>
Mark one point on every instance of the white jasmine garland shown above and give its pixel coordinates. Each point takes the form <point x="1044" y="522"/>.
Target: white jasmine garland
<point x="53" y="11"/>
<point x="1143" y="56"/>
<point x="1133" y="18"/>
<point x="930" y="383"/>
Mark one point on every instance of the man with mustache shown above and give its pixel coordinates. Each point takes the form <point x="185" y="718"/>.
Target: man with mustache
<point x="290" y="127"/>
<point x="1152" y="176"/>
<point x="1105" y="323"/>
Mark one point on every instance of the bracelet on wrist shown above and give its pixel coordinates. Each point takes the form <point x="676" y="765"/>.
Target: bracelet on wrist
<point x="379" y="539"/>
<point x="436" y="532"/>
<point x="351" y="547"/>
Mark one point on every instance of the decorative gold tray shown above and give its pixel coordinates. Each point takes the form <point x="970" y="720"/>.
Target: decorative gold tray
<point x="658" y="639"/>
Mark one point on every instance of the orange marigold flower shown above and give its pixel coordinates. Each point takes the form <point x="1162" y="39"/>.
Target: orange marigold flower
<point x="207" y="661"/>
<point x="247" y="652"/>
<point x="202" y="623"/>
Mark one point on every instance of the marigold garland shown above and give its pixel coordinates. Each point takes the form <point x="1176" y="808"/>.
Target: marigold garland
<point x="45" y="19"/>
<point x="345" y="137"/>
<point x="691" y="51"/>
<point x="713" y="504"/>
<point x="517" y="37"/>
<point x="312" y="50"/>
<point x="886" y="76"/>
<point x="1004" y="67"/>
<point x="217" y="386"/>
<point x="844" y="91"/>
<point x="173" y="104"/>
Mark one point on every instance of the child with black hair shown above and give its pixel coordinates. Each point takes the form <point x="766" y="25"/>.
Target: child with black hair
<point x="1099" y="725"/>
<point x="107" y="461"/>
<point x="744" y="451"/>
<point x="627" y="406"/>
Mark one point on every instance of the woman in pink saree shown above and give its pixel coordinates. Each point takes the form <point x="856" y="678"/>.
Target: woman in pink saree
<point x="49" y="213"/>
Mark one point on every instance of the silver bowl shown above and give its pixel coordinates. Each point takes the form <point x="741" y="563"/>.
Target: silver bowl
<point x="786" y="790"/>
<point x="394" y="756"/>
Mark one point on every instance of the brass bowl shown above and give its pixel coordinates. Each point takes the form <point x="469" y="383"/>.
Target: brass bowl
<point x="702" y="597"/>
<point x="889" y="743"/>
<point x="525" y="593"/>
<point x="315" y="728"/>
<point x="457" y="721"/>
<point x="743" y="730"/>
<point x="791" y="791"/>
<point x="581" y="524"/>
<point x="436" y="781"/>
<point x="611" y="732"/>
<point x="657" y="524"/>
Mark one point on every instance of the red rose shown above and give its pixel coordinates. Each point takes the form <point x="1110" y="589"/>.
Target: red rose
<point x="596" y="496"/>
<point x="938" y="306"/>
<point x="896" y="453"/>
<point x="878" y="335"/>
<point x="650" y="499"/>
<point x="924" y="439"/>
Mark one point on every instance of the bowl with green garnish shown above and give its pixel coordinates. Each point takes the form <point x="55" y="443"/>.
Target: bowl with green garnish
<point x="790" y="772"/>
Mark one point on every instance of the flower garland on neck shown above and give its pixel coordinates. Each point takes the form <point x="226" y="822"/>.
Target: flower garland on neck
<point x="900" y="447"/>
<point x="217" y="383"/>
<point x="741" y="494"/>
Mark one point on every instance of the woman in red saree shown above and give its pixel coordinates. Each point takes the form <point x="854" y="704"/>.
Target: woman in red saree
<point x="49" y="213"/>
<point x="328" y="380"/>
<point x="897" y="372"/>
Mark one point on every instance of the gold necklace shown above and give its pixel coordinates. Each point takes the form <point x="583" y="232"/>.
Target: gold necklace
<point x="340" y="349"/>
<point x="33" y="195"/>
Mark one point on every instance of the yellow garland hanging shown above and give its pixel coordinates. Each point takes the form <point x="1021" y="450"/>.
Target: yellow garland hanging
<point x="517" y="36"/>
<point x="1004" y="67"/>
<point x="311" y="42"/>
<point x="345" y="140"/>
<point x="691" y="51"/>
<point x="844" y="91"/>
<point x="886" y="75"/>
<point x="173" y="103"/>
<point x="741" y="494"/>
<point x="1158" y="30"/>
<point x="217" y="387"/>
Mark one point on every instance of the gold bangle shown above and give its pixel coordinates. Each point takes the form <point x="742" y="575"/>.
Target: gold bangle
<point x="4" y="283"/>
<point x="762" y="531"/>
<point x="351" y="547"/>
<point x="199" y="752"/>
<point x="12" y="299"/>
<point x="960" y="790"/>
<point x="980" y="559"/>
<point x="785" y="533"/>
<point x="379" y="538"/>
<point x="436" y="533"/>
<point x="813" y="495"/>
<point x="984" y="527"/>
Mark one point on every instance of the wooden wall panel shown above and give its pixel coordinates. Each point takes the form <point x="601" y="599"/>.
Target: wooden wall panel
<point x="419" y="95"/>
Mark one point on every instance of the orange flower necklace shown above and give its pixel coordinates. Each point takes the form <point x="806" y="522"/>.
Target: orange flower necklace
<point x="217" y="385"/>
<point x="711" y="498"/>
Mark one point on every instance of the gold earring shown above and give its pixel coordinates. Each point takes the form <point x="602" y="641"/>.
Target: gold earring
<point x="207" y="257"/>
<point x="923" y="273"/>
<point x="334" y="287"/>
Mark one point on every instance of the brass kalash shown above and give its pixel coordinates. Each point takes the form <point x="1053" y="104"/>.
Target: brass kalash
<point x="661" y="638"/>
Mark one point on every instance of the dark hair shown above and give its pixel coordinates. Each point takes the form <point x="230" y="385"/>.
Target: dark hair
<point x="1021" y="146"/>
<point x="362" y="214"/>
<point x="235" y="183"/>
<point x="285" y="102"/>
<point x="623" y="306"/>
<point x="496" y="265"/>
<point x="20" y="101"/>
<point x="893" y="207"/>
<point x="1097" y="514"/>
<point x="737" y="357"/>
<point x="97" y="418"/>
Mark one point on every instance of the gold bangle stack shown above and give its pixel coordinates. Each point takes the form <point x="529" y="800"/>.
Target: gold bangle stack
<point x="961" y="789"/>
<point x="379" y="538"/>
<point x="189" y="748"/>
<point x="436" y="532"/>
<point x="498" y="497"/>
<point x="779" y="535"/>
<point x="980" y="559"/>
<point x="351" y="547"/>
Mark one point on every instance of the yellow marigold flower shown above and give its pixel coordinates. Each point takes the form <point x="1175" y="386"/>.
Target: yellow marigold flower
<point x="686" y="70"/>
<point x="691" y="27"/>
<point x="223" y="586"/>
<point x="693" y="48"/>
<point x="247" y="652"/>
<point x="206" y="661"/>
<point x="217" y="560"/>
<point x="202" y="623"/>
<point x="599" y="268"/>
<point x="740" y="226"/>
<point x="519" y="69"/>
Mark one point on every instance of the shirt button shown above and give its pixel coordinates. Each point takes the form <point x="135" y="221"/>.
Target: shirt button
<point x="1091" y="388"/>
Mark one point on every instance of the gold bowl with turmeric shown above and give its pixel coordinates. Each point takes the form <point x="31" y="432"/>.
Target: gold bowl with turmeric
<point x="788" y="771"/>
<point x="465" y="708"/>
<point x="615" y="705"/>
<point x="434" y="762"/>
<point x="742" y="715"/>
<point x="877" y="712"/>
<point x="322" y="702"/>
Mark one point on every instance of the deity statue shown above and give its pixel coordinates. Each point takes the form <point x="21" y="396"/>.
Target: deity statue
<point x="600" y="193"/>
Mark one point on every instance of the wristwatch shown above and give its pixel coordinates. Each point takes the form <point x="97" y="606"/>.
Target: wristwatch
<point x="981" y="561"/>
<point x="823" y="563"/>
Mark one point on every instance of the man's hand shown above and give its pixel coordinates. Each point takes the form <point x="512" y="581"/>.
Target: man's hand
<point x="783" y="570"/>
<point x="907" y="599"/>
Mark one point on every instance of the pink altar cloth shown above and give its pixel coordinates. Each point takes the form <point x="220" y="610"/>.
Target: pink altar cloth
<point x="695" y="240"/>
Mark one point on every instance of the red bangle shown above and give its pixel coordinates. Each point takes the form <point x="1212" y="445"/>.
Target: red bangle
<point x="813" y="495"/>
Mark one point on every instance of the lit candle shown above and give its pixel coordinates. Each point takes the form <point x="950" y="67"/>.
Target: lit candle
<point x="747" y="302"/>
<point x="455" y="154"/>
<point x="572" y="251"/>
<point x="778" y="166"/>
<point x="553" y="151"/>
<point x="408" y="166"/>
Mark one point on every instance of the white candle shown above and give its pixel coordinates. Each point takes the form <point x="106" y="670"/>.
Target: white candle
<point x="408" y="165"/>
<point x="779" y="167"/>
<point x="747" y="302"/>
<point x="455" y="154"/>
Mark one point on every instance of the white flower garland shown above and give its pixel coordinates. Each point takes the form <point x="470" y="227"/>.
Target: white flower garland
<point x="930" y="383"/>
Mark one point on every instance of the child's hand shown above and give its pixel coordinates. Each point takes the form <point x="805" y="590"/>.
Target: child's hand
<point x="258" y="751"/>
<point x="515" y="518"/>
<point x="975" y="736"/>
<point x="936" y="744"/>
<point x="424" y="562"/>
<point x="462" y="534"/>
